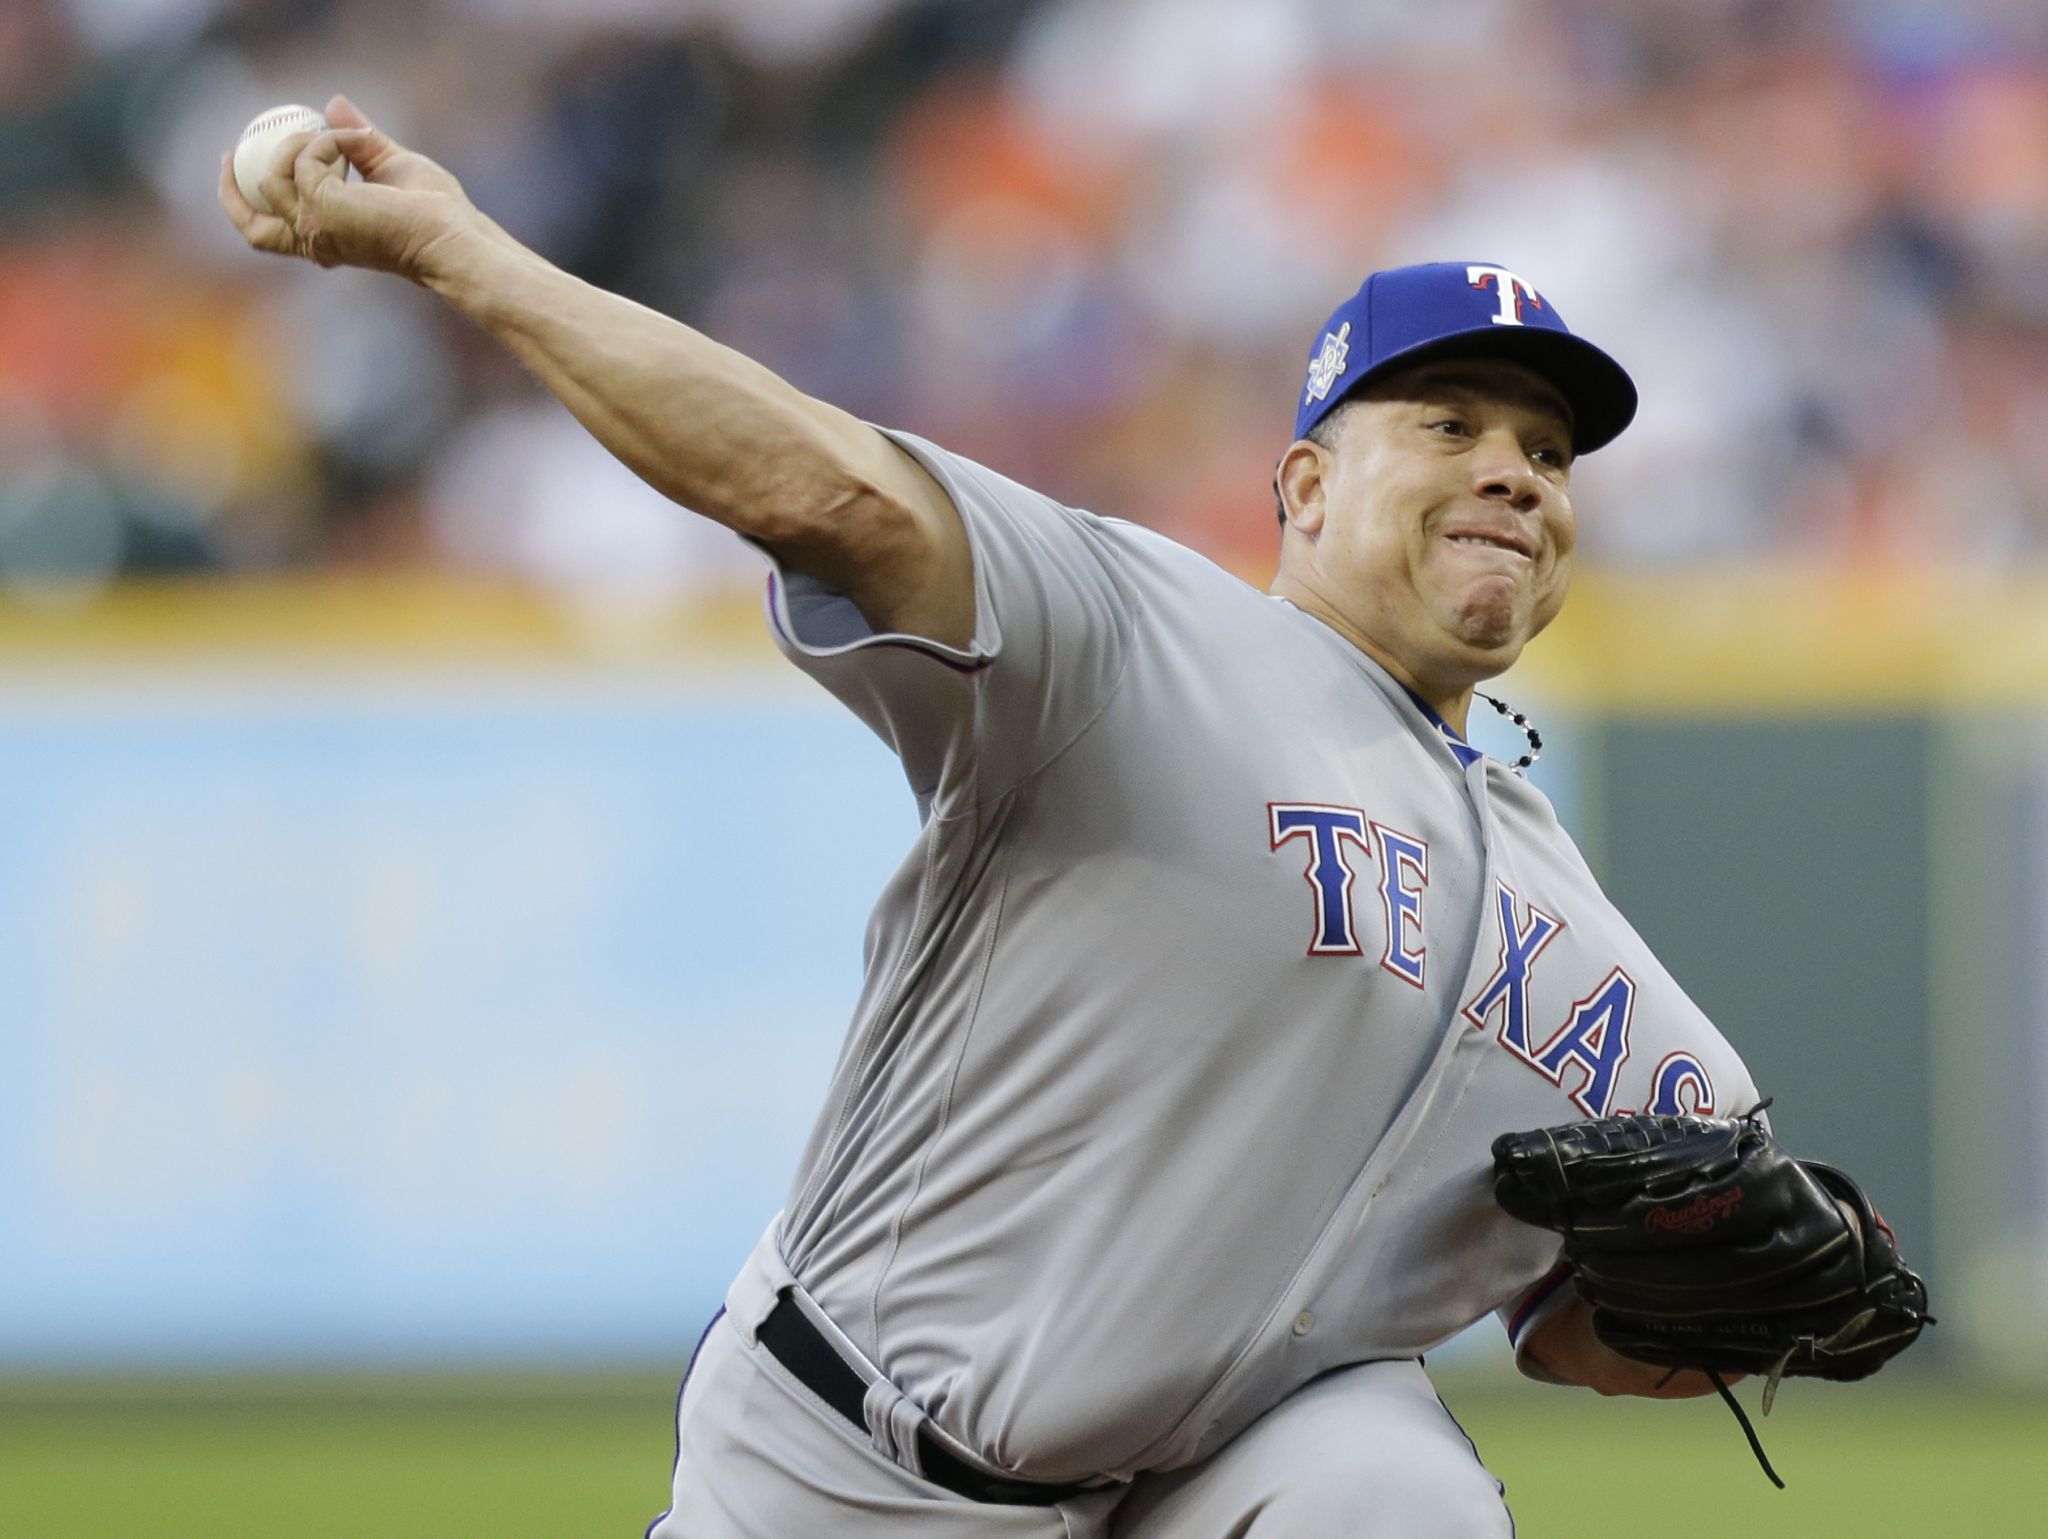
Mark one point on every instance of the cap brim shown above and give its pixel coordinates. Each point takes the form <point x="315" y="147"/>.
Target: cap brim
<point x="1598" y="390"/>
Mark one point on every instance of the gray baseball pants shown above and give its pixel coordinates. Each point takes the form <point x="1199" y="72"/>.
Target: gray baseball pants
<point x="1367" y="1452"/>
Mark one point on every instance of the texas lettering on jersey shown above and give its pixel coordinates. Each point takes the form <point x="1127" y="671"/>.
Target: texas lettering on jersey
<point x="1583" y="1054"/>
<point x="1403" y="861"/>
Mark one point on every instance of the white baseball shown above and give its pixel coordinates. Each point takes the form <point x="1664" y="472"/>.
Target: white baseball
<point x="260" y="143"/>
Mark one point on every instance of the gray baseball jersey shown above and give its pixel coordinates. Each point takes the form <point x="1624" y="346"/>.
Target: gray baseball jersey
<point x="1189" y="1020"/>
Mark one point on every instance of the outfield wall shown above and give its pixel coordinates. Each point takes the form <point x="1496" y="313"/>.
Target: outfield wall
<point x="429" y="974"/>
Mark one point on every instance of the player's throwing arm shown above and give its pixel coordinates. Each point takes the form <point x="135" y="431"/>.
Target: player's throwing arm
<point x="702" y="424"/>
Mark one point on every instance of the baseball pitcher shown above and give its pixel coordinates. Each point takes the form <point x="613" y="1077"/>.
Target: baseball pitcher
<point x="1211" y="1024"/>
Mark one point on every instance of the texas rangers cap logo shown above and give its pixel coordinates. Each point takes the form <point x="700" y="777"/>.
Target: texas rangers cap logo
<point x="1513" y="291"/>
<point x="1404" y="316"/>
<point x="1328" y="363"/>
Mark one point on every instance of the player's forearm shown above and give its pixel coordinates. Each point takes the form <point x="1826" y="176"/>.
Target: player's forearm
<point x="701" y="423"/>
<point x="1565" y="1344"/>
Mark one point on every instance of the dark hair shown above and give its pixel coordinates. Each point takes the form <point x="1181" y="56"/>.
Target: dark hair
<point x="1324" y="434"/>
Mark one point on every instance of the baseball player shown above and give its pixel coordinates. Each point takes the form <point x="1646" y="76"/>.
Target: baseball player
<point x="1157" y="1154"/>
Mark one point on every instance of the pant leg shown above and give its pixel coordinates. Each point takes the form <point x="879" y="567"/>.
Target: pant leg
<point x="1367" y="1452"/>
<point x="758" y="1457"/>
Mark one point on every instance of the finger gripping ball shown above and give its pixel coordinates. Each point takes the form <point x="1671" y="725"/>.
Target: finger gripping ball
<point x="260" y="143"/>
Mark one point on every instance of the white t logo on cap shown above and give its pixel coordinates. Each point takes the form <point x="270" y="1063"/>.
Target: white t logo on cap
<point x="1514" y="292"/>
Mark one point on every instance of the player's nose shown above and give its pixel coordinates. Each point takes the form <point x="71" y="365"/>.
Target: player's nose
<point x="1517" y="489"/>
<point x="1503" y="473"/>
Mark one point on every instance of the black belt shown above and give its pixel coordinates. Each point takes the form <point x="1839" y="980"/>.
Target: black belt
<point x="799" y="1347"/>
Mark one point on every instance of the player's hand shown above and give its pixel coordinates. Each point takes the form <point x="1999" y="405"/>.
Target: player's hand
<point x="395" y="219"/>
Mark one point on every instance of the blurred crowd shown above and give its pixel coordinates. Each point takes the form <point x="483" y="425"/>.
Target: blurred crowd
<point x="1088" y="241"/>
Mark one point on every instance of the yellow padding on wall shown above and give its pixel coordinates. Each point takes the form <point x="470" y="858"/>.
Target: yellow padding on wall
<point x="378" y="622"/>
<point x="1779" y="639"/>
<point x="1741" y="639"/>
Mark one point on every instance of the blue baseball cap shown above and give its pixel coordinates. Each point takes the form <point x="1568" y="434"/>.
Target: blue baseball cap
<point x="1410" y="315"/>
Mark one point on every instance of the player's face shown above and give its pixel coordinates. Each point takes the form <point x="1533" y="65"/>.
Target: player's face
<point x="1439" y="527"/>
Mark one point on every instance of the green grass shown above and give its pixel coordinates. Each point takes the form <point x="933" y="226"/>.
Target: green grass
<point x="308" y="1461"/>
<point x="1898" y="1457"/>
<point x="549" y="1459"/>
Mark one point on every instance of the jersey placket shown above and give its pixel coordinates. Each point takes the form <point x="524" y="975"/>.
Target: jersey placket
<point x="1298" y="1325"/>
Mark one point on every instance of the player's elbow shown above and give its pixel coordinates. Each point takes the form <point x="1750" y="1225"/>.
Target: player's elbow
<point x="904" y="564"/>
<point x="839" y="527"/>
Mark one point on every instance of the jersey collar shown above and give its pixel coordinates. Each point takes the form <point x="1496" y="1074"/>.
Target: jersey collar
<point x="1466" y="754"/>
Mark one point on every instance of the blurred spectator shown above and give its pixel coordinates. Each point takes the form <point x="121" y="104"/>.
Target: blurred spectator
<point x="1087" y="240"/>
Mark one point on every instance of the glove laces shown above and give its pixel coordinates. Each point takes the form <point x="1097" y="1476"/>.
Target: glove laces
<point x="1770" y="1392"/>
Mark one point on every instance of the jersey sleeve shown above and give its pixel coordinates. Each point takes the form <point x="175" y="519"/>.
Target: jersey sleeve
<point x="1054" y="614"/>
<point x="1522" y="1314"/>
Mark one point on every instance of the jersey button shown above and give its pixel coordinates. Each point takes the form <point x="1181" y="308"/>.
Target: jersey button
<point x="1304" y="1322"/>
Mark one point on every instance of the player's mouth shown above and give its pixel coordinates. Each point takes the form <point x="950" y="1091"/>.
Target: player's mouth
<point x="1513" y="544"/>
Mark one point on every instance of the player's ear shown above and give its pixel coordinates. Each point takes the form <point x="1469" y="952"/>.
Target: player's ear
<point x="1300" y="483"/>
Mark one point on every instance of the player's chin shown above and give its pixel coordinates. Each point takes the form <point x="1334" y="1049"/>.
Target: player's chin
<point x="1493" y="615"/>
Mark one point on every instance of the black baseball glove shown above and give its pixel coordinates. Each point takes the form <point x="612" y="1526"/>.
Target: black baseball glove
<point x="1701" y="1244"/>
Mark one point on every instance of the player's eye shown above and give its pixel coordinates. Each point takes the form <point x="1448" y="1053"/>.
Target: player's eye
<point x="1552" y="456"/>
<point x="1451" y="427"/>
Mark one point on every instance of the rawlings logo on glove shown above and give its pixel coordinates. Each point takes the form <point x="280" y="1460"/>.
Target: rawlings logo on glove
<point x="1696" y="1217"/>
